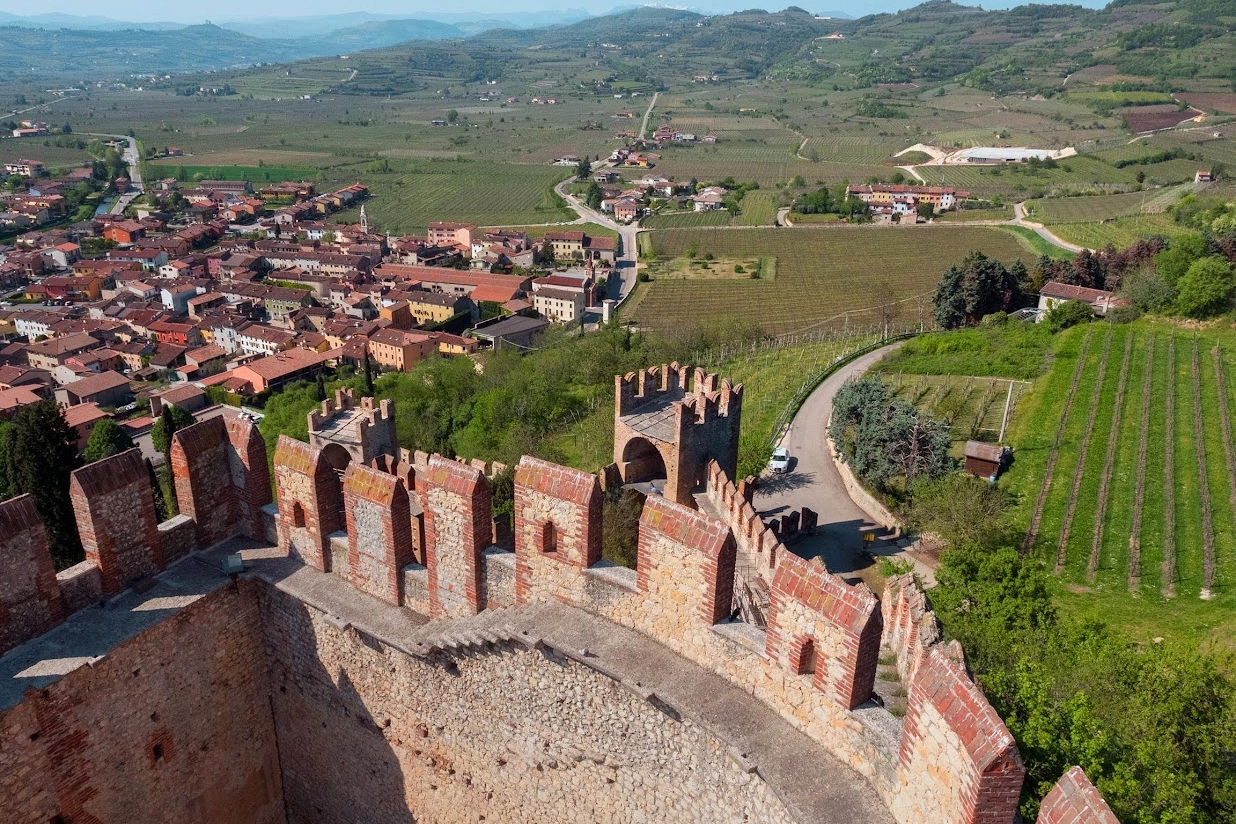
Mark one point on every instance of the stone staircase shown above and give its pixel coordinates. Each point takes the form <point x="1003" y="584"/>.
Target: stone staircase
<point x="479" y="632"/>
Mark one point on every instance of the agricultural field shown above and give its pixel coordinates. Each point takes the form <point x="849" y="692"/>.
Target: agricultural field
<point x="973" y="406"/>
<point x="686" y="220"/>
<point x="254" y="174"/>
<point x="1125" y="476"/>
<point x="1103" y="207"/>
<point x="1120" y="232"/>
<point x="843" y="277"/>
<point x="33" y="149"/>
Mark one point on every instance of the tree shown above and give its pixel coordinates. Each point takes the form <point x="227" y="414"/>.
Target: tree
<point x="884" y="437"/>
<point x="593" y="196"/>
<point x="1174" y="261"/>
<point x="1206" y="288"/>
<point x="43" y="454"/>
<point x="1069" y="313"/>
<point x="319" y="388"/>
<point x="171" y="420"/>
<point x="368" y="384"/>
<point x="926" y="210"/>
<point x="106" y="439"/>
<point x="978" y="286"/>
<point x="583" y="170"/>
<point x="452" y="116"/>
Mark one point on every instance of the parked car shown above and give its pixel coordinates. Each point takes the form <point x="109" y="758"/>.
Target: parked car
<point x="780" y="460"/>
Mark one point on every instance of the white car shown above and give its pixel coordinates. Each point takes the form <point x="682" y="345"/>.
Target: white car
<point x="780" y="460"/>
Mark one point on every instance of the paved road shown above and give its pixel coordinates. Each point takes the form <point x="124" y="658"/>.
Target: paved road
<point x="643" y="126"/>
<point x="1019" y="219"/>
<point x="814" y="481"/>
<point x="625" y="267"/>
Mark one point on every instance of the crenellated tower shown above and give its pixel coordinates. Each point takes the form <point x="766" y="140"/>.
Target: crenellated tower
<point x="670" y="421"/>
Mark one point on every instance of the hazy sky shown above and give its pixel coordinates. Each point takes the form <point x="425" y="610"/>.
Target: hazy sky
<point x="219" y="10"/>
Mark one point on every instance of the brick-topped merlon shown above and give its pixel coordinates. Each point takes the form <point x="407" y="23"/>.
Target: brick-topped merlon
<point x="910" y="627"/>
<point x="30" y="602"/>
<point x="815" y="616"/>
<point x="957" y="759"/>
<point x="114" y="507"/>
<point x="379" y="532"/>
<point x="709" y="543"/>
<point x="458" y="507"/>
<point x="220" y="473"/>
<point x="1074" y="800"/>
<point x="310" y="501"/>
<point x="557" y="522"/>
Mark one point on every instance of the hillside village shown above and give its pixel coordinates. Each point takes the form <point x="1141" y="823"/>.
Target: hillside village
<point x="224" y="293"/>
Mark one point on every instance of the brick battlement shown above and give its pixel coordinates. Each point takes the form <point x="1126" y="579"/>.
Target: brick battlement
<point x="221" y="482"/>
<point x="674" y="382"/>
<point x="952" y="760"/>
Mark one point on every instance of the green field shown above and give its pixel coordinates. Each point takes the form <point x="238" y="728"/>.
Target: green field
<point x="253" y="174"/>
<point x="1136" y="386"/>
<point x="686" y="220"/>
<point x="826" y="278"/>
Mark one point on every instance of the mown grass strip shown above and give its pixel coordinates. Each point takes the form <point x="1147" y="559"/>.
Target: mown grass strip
<point x="1199" y="449"/>
<point x="1169" y="477"/>
<point x="1079" y="469"/>
<point x="1109" y="461"/>
<point x="1139" y="493"/>
<point x="1032" y="532"/>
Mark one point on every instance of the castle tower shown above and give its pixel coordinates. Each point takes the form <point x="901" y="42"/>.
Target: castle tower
<point x="669" y="422"/>
<point x="346" y="432"/>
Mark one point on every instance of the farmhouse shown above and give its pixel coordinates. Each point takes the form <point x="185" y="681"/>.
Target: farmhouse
<point x="1055" y="293"/>
<point x="25" y="168"/>
<point x="888" y="199"/>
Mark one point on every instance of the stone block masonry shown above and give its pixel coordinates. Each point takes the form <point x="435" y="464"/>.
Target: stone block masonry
<point x="458" y="507"/>
<point x="310" y="502"/>
<point x="820" y="626"/>
<point x="116" y="519"/>
<point x="379" y="532"/>
<point x="172" y="725"/>
<point x="30" y="602"/>
<point x="221" y="477"/>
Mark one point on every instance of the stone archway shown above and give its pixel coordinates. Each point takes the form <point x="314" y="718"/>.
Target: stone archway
<point x="642" y="461"/>
<point x="337" y="457"/>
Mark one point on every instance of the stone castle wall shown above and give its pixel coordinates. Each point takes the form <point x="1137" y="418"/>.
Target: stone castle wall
<point x="951" y="760"/>
<point x="172" y="725"/>
<point x="508" y="735"/>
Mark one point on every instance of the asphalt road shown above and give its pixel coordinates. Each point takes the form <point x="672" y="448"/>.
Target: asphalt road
<point x="813" y="480"/>
<point x="625" y="265"/>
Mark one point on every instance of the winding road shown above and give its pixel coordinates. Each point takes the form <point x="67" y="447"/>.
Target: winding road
<point x="625" y="266"/>
<point x="643" y="126"/>
<point x="815" y="482"/>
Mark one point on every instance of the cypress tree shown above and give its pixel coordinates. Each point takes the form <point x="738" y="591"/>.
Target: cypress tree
<point x="43" y="454"/>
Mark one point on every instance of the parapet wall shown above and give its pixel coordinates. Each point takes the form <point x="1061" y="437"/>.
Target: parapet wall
<point x="951" y="760"/>
<point x="171" y="725"/>
<point x="815" y="665"/>
<point x="222" y="481"/>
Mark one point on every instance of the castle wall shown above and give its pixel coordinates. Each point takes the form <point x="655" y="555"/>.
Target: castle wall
<point x="379" y="532"/>
<point x="114" y="507"/>
<point x="221" y="477"/>
<point x="30" y="601"/>
<point x="458" y="524"/>
<point x="1074" y="800"/>
<point x="949" y="722"/>
<point x="557" y="528"/>
<point x="310" y="502"/>
<point x="172" y="725"/>
<point x="511" y="735"/>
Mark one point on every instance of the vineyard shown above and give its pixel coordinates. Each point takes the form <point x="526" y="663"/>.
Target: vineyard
<point x="826" y="278"/>
<point x="1125" y="467"/>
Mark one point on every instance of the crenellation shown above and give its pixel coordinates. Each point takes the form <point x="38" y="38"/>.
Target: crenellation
<point x="30" y="599"/>
<point x="417" y="532"/>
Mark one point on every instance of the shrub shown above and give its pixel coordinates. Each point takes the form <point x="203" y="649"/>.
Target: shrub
<point x="1067" y="314"/>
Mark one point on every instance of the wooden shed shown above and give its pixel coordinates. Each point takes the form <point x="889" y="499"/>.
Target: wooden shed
<point x="985" y="460"/>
